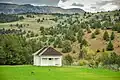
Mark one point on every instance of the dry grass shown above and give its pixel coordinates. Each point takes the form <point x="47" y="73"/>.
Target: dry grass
<point x="94" y="44"/>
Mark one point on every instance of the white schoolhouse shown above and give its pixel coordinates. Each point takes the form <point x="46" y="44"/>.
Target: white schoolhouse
<point x="47" y="56"/>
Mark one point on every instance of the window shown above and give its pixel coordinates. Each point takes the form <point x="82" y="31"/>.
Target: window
<point x="50" y="58"/>
<point x="44" y="58"/>
<point x="56" y="58"/>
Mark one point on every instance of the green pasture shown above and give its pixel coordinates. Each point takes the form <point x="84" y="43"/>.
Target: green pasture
<point x="56" y="73"/>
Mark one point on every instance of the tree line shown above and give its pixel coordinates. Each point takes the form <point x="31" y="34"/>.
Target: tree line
<point x="4" y="18"/>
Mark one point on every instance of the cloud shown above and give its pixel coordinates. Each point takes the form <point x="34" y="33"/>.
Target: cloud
<point x="106" y="5"/>
<point x="64" y="0"/>
<point x="109" y="7"/>
<point x="75" y="4"/>
<point x="116" y="2"/>
<point x="87" y="5"/>
<point x="37" y="2"/>
<point x="91" y="5"/>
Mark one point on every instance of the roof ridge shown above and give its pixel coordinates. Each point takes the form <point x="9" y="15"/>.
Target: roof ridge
<point x="47" y="51"/>
<point x="39" y="51"/>
<point x="43" y="51"/>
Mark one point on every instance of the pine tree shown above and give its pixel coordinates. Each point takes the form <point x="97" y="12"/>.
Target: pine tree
<point x="83" y="43"/>
<point x="27" y="35"/>
<point x="93" y="35"/>
<point x="68" y="59"/>
<point x="80" y="35"/>
<point x="106" y="36"/>
<point x="112" y="36"/>
<point x="66" y="47"/>
<point x="38" y="20"/>
<point x="32" y="34"/>
<point x="80" y="39"/>
<point x="88" y="30"/>
<point x="110" y="46"/>
<point x="81" y="54"/>
<point x="97" y="31"/>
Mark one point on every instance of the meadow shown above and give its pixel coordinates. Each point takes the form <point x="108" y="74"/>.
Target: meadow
<point x="56" y="73"/>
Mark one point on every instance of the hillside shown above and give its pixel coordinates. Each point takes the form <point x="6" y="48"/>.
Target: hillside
<point x="27" y="8"/>
<point x="49" y="22"/>
<point x="91" y="39"/>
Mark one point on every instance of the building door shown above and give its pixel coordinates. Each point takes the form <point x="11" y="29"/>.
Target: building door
<point x="44" y="62"/>
<point x="50" y="62"/>
<point x="57" y="61"/>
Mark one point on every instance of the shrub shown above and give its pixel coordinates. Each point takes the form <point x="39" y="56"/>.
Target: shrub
<point x="97" y="31"/>
<point x="84" y="43"/>
<point x="106" y="36"/>
<point x="93" y="35"/>
<point x="92" y="63"/>
<point x="112" y="36"/>
<point x="66" y="47"/>
<point x="83" y="62"/>
<point x="68" y="59"/>
<point x="110" y="46"/>
<point x="74" y="51"/>
<point x="98" y="50"/>
<point x="110" y="58"/>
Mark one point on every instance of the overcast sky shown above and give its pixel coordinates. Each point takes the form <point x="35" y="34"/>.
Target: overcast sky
<point x="87" y="5"/>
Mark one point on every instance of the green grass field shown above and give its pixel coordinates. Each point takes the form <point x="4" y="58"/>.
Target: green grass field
<point x="56" y="73"/>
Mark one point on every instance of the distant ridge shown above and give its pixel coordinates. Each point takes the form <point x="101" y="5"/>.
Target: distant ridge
<point x="8" y="8"/>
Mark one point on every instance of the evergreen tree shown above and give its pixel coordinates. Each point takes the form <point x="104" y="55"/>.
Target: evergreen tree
<point x="81" y="54"/>
<point x="80" y="35"/>
<point x="27" y="35"/>
<point x="112" y="36"/>
<point x="68" y="59"/>
<point x="80" y="39"/>
<point x="58" y="42"/>
<point x="83" y="43"/>
<point x="106" y="36"/>
<point x="32" y="34"/>
<point x="38" y="20"/>
<point x="15" y="49"/>
<point x="88" y="30"/>
<point x="110" y="46"/>
<point x="93" y="35"/>
<point x="66" y="47"/>
<point x="70" y="36"/>
<point x="97" y="31"/>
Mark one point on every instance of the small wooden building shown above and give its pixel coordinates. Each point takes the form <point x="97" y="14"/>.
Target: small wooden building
<point x="47" y="56"/>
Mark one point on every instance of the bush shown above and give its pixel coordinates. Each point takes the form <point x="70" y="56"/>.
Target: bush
<point x="83" y="62"/>
<point x="110" y="58"/>
<point x="97" y="31"/>
<point x="112" y="67"/>
<point x="110" y="46"/>
<point x="112" y="36"/>
<point x="66" y="47"/>
<point x="74" y="51"/>
<point x="92" y="64"/>
<point x="98" y="51"/>
<point x="84" y="43"/>
<point x="93" y="35"/>
<point x="106" y="36"/>
<point x="68" y="59"/>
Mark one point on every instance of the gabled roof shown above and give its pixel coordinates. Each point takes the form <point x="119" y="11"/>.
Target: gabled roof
<point x="47" y="51"/>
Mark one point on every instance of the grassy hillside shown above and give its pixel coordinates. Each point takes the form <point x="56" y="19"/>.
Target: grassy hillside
<point x="69" y="34"/>
<point x="55" y="73"/>
<point x="34" y="26"/>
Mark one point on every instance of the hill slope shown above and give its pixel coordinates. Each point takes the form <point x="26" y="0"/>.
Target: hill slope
<point x="15" y="9"/>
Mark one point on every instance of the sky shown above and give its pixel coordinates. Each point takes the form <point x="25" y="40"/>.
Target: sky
<point x="87" y="5"/>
